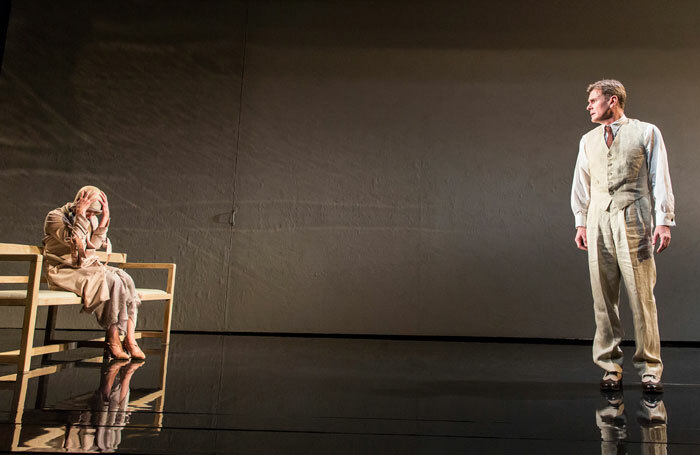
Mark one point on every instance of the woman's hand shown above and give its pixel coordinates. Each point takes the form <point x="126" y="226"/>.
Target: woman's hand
<point x="84" y="203"/>
<point x="105" y="209"/>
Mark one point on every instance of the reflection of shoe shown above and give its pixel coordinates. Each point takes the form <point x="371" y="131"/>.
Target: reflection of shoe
<point x="611" y="381"/>
<point x="615" y="398"/>
<point x="135" y="351"/>
<point x="111" y="367"/>
<point x="651" y="400"/>
<point x="652" y="384"/>
<point x="114" y="364"/>
<point x="132" y="366"/>
<point x="115" y="351"/>
<point x="652" y="411"/>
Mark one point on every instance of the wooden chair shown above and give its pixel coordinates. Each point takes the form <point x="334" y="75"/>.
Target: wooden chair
<point x="33" y="297"/>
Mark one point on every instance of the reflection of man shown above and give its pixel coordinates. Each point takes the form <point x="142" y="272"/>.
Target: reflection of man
<point x="653" y="418"/>
<point x="621" y="179"/>
<point x="612" y="422"/>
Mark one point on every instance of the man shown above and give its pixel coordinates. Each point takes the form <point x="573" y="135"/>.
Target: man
<point x="621" y="175"/>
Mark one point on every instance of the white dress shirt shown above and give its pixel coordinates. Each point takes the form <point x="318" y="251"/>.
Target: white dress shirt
<point x="659" y="177"/>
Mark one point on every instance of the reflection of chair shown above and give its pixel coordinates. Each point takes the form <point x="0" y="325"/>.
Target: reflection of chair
<point x="33" y="297"/>
<point x="54" y="438"/>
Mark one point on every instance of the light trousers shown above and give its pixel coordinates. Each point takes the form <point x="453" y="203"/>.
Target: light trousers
<point x="620" y="252"/>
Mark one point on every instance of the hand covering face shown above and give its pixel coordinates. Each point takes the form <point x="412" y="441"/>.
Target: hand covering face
<point x="71" y="238"/>
<point x="89" y="190"/>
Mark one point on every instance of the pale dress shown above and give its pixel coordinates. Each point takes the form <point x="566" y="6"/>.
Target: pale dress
<point x="70" y="242"/>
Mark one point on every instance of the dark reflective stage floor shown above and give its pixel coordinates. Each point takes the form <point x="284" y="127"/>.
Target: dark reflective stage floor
<point x="255" y="395"/>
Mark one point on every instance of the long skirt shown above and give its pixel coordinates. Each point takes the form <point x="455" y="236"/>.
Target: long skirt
<point x="123" y="303"/>
<point x="108" y="292"/>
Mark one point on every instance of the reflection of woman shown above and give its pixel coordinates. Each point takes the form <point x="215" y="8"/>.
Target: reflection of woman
<point x="100" y="427"/>
<point x="72" y="233"/>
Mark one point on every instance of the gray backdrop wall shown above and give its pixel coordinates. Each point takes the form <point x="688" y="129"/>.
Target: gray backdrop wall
<point x="394" y="167"/>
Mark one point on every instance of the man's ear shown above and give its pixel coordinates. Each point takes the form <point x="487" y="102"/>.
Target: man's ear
<point x="614" y="100"/>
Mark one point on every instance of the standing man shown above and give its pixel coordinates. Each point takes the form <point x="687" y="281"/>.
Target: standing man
<point x="621" y="186"/>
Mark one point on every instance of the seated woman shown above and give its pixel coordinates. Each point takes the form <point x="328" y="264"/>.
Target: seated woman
<point x="72" y="233"/>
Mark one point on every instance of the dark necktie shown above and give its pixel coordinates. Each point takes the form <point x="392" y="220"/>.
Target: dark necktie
<point x="609" y="139"/>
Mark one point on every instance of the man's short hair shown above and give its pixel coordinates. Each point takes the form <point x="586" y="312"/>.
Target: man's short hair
<point x="610" y="87"/>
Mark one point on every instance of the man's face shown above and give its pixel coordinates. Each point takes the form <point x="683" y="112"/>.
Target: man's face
<point x="599" y="107"/>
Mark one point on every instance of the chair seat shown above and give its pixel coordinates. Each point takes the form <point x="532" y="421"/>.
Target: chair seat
<point x="47" y="297"/>
<point x="152" y="294"/>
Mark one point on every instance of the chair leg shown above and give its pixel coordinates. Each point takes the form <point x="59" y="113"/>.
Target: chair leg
<point x="30" y="310"/>
<point x="160" y="401"/>
<point x="167" y="321"/>
<point x="18" y="402"/>
<point x="50" y="324"/>
<point x="27" y="343"/>
<point x="50" y="330"/>
<point x="168" y="317"/>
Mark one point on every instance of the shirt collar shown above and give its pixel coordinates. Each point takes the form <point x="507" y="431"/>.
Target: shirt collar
<point x="618" y="123"/>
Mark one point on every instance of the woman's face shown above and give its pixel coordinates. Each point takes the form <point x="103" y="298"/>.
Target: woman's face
<point x="89" y="214"/>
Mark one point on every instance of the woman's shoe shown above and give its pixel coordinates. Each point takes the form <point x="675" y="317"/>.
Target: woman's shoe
<point x="134" y="350"/>
<point x="115" y="351"/>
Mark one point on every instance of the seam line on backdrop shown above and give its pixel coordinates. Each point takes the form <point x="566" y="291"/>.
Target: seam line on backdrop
<point x="235" y="163"/>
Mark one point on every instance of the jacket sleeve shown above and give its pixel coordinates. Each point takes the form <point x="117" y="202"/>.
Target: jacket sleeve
<point x="74" y="236"/>
<point x="98" y="239"/>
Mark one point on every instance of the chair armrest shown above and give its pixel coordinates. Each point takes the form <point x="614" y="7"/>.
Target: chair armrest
<point x="146" y="265"/>
<point x="117" y="258"/>
<point x="33" y="278"/>
<point x="14" y="279"/>
<point x="19" y="257"/>
<point x="170" y="285"/>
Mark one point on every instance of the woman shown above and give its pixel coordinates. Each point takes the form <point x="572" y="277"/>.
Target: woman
<point x="72" y="233"/>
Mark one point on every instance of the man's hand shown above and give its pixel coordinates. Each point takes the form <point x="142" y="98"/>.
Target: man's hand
<point x="581" y="239"/>
<point x="105" y="209"/>
<point x="663" y="234"/>
<point x="84" y="203"/>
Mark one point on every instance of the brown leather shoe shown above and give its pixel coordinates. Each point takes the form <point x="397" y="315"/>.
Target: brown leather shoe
<point x="652" y="384"/>
<point x="611" y="381"/>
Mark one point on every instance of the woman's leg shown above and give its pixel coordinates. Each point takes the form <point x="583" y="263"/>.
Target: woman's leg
<point x="114" y="344"/>
<point x="109" y="373"/>
<point x="122" y="306"/>
<point x="126" y="372"/>
<point x="130" y="341"/>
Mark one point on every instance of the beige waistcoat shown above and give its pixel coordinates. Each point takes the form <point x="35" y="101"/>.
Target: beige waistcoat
<point x="619" y="176"/>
